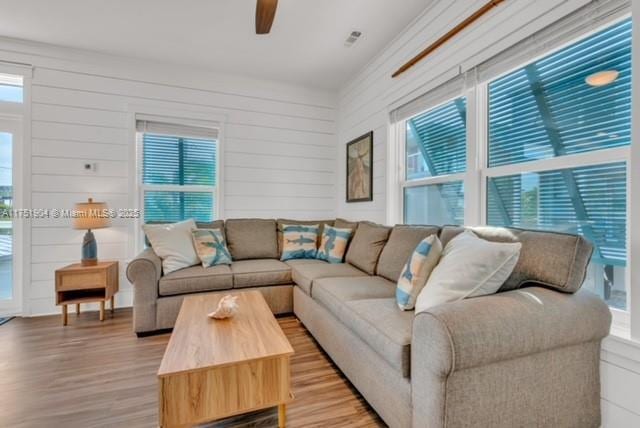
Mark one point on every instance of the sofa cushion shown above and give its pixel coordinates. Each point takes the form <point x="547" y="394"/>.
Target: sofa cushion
<point x="304" y="274"/>
<point x="260" y="272"/>
<point x="328" y="290"/>
<point x="299" y="241"/>
<point x="216" y="224"/>
<point x="367" y="307"/>
<point x="555" y="260"/>
<point x="252" y="238"/>
<point x="333" y="244"/>
<point x="196" y="278"/>
<point x="283" y="221"/>
<point x="173" y="243"/>
<point x="366" y="246"/>
<point x="469" y="267"/>
<point x="211" y="247"/>
<point x="402" y="241"/>
<point x="341" y="223"/>
<point x="416" y="272"/>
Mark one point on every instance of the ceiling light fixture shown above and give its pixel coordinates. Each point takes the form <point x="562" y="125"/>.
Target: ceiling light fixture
<point x="602" y="78"/>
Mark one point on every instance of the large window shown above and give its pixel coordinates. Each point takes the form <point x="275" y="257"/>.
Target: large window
<point x="179" y="173"/>
<point x="575" y="106"/>
<point x="550" y="151"/>
<point x="435" y="162"/>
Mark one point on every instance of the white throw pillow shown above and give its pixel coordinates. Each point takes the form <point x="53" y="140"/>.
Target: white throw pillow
<point x="469" y="267"/>
<point x="173" y="243"/>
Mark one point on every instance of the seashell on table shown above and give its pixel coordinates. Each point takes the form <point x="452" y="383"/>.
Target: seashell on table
<point x="227" y="307"/>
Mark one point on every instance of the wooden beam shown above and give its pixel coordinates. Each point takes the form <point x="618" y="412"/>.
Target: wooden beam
<point x="442" y="40"/>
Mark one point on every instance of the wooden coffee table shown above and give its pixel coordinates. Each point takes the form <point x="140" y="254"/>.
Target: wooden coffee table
<point x="213" y="369"/>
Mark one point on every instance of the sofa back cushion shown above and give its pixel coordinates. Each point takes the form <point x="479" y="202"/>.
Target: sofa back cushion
<point x="402" y="242"/>
<point x="216" y="224"/>
<point x="252" y="238"/>
<point x="366" y="246"/>
<point x="283" y="221"/>
<point x="555" y="260"/>
<point x="341" y="223"/>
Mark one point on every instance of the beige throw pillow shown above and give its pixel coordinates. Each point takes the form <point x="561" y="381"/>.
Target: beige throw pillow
<point x="469" y="267"/>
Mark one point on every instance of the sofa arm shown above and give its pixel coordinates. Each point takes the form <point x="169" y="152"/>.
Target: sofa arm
<point x="511" y="335"/>
<point x="144" y="272"/>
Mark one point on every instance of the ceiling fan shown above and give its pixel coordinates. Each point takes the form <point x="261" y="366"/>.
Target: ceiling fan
<point x="265" y="12"/>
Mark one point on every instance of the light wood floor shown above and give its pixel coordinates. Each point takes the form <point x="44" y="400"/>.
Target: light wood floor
<point x="92" y="374"/>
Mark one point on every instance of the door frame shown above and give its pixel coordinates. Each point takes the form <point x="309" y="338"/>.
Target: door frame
<point x="14" y="125"/>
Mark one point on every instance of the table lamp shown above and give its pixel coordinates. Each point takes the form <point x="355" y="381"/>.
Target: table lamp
<point x="90" y="215"/>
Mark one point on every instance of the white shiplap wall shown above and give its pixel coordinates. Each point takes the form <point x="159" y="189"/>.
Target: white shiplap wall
<point x="364" y="105"/>
<point x="279" y="148"/>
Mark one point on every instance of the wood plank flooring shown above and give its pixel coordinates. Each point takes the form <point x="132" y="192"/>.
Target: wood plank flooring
<point x="92" y="374"/>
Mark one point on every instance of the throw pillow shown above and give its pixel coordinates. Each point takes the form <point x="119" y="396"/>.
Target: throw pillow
<point x="211" y="247"/>
<point x="416" y="271"/>
<point x="333" y="244"/>
<point x="173" y="244"/>
<point x="299" y="241"/>
<point x="469" y="267"/>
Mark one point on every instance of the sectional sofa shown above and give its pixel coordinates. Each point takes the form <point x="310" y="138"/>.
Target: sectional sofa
<point x="526" y="356"/>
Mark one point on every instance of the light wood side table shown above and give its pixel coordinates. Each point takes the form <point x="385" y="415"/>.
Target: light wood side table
<point x="77" y="284"/>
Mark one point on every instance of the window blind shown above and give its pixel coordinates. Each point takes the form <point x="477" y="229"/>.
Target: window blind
<point x="178" y="160"/>
<point x="164" y="128"/>
<point x="170" y="206"/>
<point x="546" y="109"/>
<point x="447" y="90"/>
<point x="544" y="201"/>
<point x="439" y="136"/>
<point x="179" y="170"/>
<point x="573" y="26"/>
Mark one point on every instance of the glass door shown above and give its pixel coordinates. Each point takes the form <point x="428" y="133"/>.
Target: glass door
<point x="9" y="293"/>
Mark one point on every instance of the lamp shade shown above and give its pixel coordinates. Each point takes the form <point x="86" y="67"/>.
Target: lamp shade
<point x="91" y="215"/>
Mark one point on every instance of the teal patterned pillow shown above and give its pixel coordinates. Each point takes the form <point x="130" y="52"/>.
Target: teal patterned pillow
<point x="333" y="245"/>
<point x="299" y="241"/>
<point x="416" y="271"/>
<point x="211" y="247"/>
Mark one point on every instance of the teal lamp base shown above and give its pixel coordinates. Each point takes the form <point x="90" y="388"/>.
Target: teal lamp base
<point x="89" y="249"/>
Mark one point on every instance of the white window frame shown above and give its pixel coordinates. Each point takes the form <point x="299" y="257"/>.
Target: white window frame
<point x="187" y="188"/>
<point x="478" y="172"/>
<point x="19" y="113"/>
<point x="403" y="183"/>
<point x="188" y="118"/>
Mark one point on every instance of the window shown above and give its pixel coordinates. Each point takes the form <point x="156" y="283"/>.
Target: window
<point x="551" y="108"/>
<point x="179" y="172"/>
<point x="551" y="146"/>
<point x="435" y="162"/>
<point x="11" y="89"/>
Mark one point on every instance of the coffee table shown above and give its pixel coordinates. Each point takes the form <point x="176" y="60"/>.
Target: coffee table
<point x="213" y="369"/>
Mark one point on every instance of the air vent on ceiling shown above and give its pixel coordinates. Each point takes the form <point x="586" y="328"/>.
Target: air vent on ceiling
<point x="353" y="37"/>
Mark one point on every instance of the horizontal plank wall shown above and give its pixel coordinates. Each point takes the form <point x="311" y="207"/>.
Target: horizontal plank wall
<point x="279" y="147"/>
<point x="364" y="105"/>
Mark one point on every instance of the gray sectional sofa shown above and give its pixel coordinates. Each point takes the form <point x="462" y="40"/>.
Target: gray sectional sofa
<point x="526" y="356"/>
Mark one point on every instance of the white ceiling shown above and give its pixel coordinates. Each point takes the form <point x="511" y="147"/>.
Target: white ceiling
<point x="306" y="44"/>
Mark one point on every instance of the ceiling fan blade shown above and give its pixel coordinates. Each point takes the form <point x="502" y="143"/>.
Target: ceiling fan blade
<point x="265" y="12"/>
